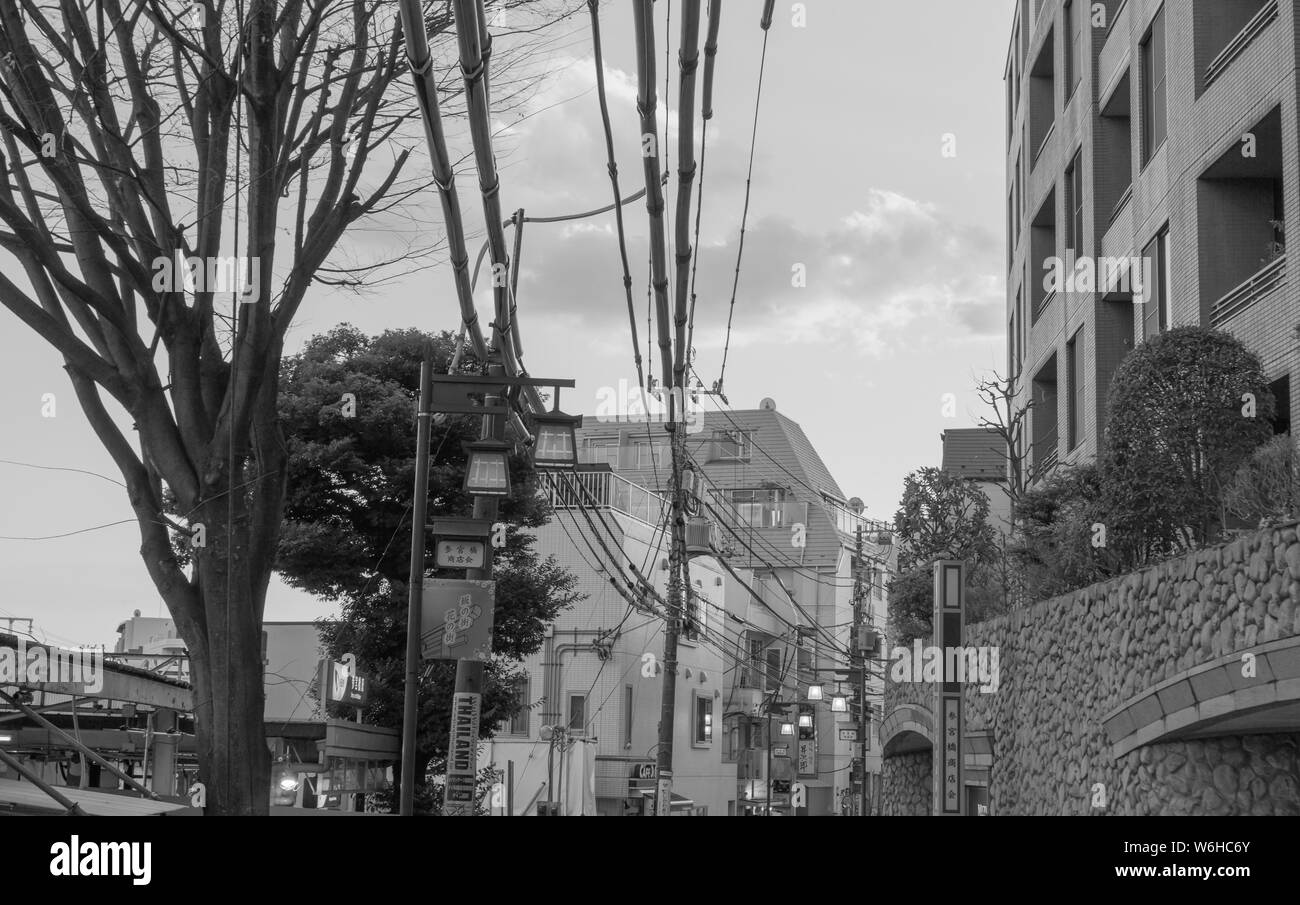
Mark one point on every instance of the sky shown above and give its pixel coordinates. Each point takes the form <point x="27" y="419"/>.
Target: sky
<point x="871" y="283"/>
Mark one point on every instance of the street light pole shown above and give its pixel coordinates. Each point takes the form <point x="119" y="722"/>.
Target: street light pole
<point x="415" y="585"/>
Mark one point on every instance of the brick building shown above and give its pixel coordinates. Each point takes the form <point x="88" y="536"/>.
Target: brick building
<point x="1161" y="132"/>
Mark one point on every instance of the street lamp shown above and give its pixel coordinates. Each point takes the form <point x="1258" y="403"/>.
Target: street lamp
<point x="556" y="440"/>
<point x="839" y="703"/>
<point x="787" y="728"/>
<point x="805" y="720"/>
<point x="488" y="471"/>
<point x="814" y="692"/>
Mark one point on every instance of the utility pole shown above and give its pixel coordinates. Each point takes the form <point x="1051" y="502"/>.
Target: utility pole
<point x="676" y="612"/>
<point x="864" y="712"/>
<point x="415" y="585"/>
<point x="469" y="673"/>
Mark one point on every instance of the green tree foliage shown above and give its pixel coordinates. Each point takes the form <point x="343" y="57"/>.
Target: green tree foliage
<point x="1186" y="408"/>
<point x="1062" y="543"/>
<point x="348" y="404"/>
<point x="1266" y="488"/>
<point x="941" y="516"/>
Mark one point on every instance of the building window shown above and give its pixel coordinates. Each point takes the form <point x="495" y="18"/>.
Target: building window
<point x="1019" y="332"/>
<point x="519" y="721"/>
<point x="731" y="446"/>
<point x="1074" y="403"/>
<point x="627" y="716"/>
<point x="1074" y="31"/>
<point x="1074" y="200"/>
<point x="703" y="735"/>
<point x="1154" y="121"/>
<point x="1157" y="310"/>
<point x="1042" y="98"/>
<point x="772" y="676"/>
<point x="1042" y="249"/>
<point x="603" y="451"/>
<point x="760" y="508"/>
<point x="651" y="455"/>
<point x="577" y="713"/>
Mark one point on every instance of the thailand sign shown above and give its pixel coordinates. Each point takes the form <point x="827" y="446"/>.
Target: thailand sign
<point x="456" y="615"/>
<point x="462" y="751"/>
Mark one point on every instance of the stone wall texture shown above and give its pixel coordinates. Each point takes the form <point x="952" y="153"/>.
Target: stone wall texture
<point x="1067" y="662"/>
<point x="905" y="790"/>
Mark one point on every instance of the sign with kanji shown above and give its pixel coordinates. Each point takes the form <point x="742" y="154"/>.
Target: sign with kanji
<point x="807" y="757"/>
<point x="949" y="623"/>
<point x="461" y="754"/>
<point x="459" y="554"/>
<point x="456" y="615"/>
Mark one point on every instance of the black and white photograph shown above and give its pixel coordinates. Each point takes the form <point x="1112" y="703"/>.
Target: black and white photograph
<point x="630" y="408"/>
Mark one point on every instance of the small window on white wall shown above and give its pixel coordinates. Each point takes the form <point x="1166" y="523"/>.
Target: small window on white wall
<point x="703" y="735"/>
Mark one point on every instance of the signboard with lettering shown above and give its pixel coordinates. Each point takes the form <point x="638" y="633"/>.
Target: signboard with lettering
<point x="951" y="732"/>
<point x="781" y="751"/>
<point x="459" y="554"/>
<point x="848" y="734"/>
<point x="949" y="622"/>
<point x="343" y="683"/>
<point x="456" y="615"/>
<point x="807" y="757"/>
<point x="461" y="751"/>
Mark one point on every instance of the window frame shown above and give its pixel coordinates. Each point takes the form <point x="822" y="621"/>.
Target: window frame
<point x="1154" y="86"/>
<point x="523" y="713"/>
<point x="1074" y="402"/>
<point x="704" y="698"/>
<point x="568" y="717"/>
<point x="1074" y="204"/>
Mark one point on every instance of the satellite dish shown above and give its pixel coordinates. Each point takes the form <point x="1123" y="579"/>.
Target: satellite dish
<point x="857" y="505"/>
<point x="768" y="404"/>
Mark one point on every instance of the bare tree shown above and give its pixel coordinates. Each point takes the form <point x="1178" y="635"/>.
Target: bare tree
<point x="121" y="191"/>
<point x="1007" y="418"/>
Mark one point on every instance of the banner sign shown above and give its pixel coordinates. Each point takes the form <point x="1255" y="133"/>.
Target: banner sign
<point x="456" y="617"/>
<point x="462" y="754"/>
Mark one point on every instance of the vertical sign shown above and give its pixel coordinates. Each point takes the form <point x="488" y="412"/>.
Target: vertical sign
<point x="461" y="748"/>
<point x="664" y="794"/>
<point x="949" y="613"/>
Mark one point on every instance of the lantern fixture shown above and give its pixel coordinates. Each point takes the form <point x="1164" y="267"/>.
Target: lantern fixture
<point x="487" y="472"/>
<point x="805" y="721"/>
<point x="839" y="703"/>
<point x="787" y="728"/>
<point x="814" y="692"/>
<point x="555" y="444"/>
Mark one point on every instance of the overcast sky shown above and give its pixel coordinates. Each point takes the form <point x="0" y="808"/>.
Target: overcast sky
<point x="902" y="248"/>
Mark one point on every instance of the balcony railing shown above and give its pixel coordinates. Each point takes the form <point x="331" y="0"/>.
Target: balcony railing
<point x="1269" y="278"/>
<point x="1267" y="13"/>
<point x="606" y="490"/>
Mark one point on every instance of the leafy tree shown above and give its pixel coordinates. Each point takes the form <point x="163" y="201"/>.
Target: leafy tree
<point x="1186" y="408"/>
<point x="348" y="402"/>
<point x="1062" y="542"/>
<point x="1266" y="488"/>
<point x="941" y="516"/>
<point x="133" y="134"/>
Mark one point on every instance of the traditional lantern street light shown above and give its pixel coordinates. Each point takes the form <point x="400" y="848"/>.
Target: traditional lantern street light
<point x="787" y="728"/>
<point x="556" y="444"/>
<point x="487" y="473"/>
<point x="814" y="692"/>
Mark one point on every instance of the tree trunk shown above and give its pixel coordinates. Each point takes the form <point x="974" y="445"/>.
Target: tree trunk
<point x="225" y="645"/>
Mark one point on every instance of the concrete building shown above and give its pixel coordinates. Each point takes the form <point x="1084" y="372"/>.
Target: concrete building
<point x="786" y="534"/>
<point x="1164" y="134"/>
<point x="598" y="676"/>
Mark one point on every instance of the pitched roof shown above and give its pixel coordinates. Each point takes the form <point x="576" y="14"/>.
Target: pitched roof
<point x="974" y="452"/>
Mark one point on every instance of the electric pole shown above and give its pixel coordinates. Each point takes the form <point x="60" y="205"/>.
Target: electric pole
<point x="864" y="712"/>
<point x="415" y="585"/>
<point x="676" y="611"/>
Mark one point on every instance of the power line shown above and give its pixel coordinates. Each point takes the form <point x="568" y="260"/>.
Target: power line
<point x="744" y="216"/>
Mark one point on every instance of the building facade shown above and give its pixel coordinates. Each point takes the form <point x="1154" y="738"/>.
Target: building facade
<point x="785" y="538"/>
<point x="1152" y="150"/>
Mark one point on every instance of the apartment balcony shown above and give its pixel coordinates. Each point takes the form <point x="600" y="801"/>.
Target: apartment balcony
<point x="1243" y="38"/>
<point x="607" y="490"/>
<point x="1267" y="280"/>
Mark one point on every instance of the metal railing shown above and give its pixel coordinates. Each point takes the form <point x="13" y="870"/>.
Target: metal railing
<point x="1263" y="282"/>
<point x="1267" y="13"/>
<point x="606" y="490"/>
